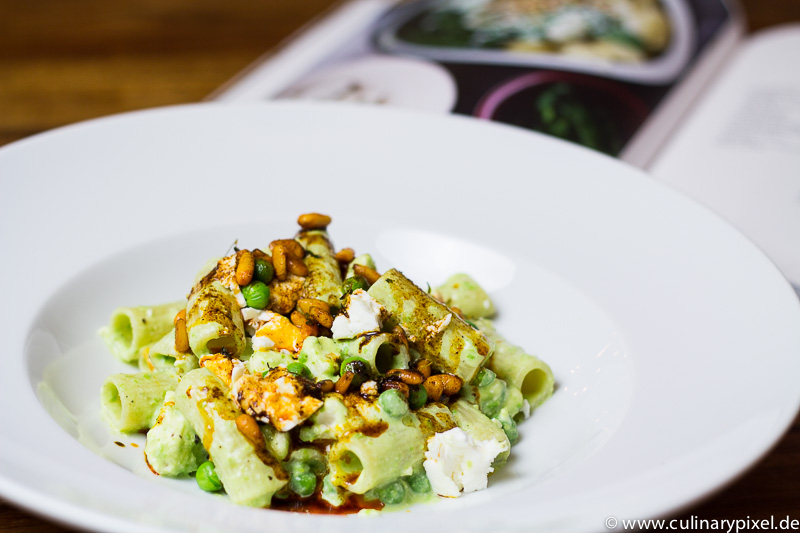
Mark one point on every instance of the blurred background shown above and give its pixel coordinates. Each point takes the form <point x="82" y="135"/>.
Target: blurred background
<point x="63" y="62"/>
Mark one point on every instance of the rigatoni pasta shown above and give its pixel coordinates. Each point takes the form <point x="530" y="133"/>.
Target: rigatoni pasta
<point x="289" y="380"/>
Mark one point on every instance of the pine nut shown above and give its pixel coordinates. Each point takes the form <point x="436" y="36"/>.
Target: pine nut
<point x="409" y="377"/>
<point x="323" y="318"/>
<point x="181" y="335"/>
<point x="258" y="254"/>
<point x="325" y="385"/>
<point x="316" y="309"/>
<point x="397" y="385"/>
<point x="345" y="255"/>
<point x="306" y="304"/>
<point x="434" y="387"/>
<point x="245" y="268"/>
<point x="369" y="274"/>
<point x="296" y="266"/>
<point x="290" y="246"/>
<point x="451" y="384"/>
<point x="424" y="367"/>
<point x="279" y="262"/>
<point x="307" y="328"/>
<point x="344" y="382"/>
<point x="181" y="315"/>
<point x="313" y="221"/>
<point x="248" y="427"/>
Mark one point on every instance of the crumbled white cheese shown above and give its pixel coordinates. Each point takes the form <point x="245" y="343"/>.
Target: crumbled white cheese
<point x="369" y="388"/>
<point x="250" y="313"/>
<point x="282" y="386"/>
<point x="236" y="373"/>
<point x="455" y="462"/>
<point x="266" y="316"/>
<point x="262" y="342"/>
<point x="239" y="296"/>
<point x="250" y="316"/>
<point x="238" y="370"/>
<point x="363" y="315"/>
<point x="439" y="326"/>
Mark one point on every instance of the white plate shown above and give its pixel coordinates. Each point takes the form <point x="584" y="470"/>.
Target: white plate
<point x="674" y="341"/>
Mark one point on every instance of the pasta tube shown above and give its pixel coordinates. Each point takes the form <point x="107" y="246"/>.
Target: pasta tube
<point x="361" y="460"/>
<point x="132" y="328"/>
<point x="381" y="351"/>
<point x="248" y="472"/>
<point x="214" y="321"/>
<point x="130" y="402"/>
<point x="324" y="280"/>
<point x="463" y="292"/>
<point x="479" y="427"/>
<point x="363" y="259"/>
<point x="528" y="373"/>
<point x="163" y="357"/>
<point x="172" y="447"/>
<point x="432" y="328"/>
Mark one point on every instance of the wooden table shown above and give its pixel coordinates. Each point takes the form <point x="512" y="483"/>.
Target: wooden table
<point x="65" y="61"/>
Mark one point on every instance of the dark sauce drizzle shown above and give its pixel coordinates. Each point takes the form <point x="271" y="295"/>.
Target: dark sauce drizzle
<point x="316" y="505"/>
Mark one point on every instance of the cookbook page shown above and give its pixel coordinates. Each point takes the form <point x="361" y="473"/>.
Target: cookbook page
<point x="611" y="75"/>
<point x="739" y="150"/>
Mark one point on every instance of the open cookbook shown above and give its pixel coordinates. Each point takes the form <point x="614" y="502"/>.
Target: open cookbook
<point x="671" y="86"/>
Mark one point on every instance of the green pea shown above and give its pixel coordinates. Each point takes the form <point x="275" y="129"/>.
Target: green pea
<point x="354" y="364"/>
<point x="489" y="407"/>
<point x="256" y="294"/>
<point x="492" y="397"/>
<point x="484" y="377"/>
<point x="509" y="426"/>
<point x="303" y="483"/>
<point x="264" y="271"/>
<point x="353" y="283"/>
<point x="308" y="459"/>
<point x="417" y="397"/>
<point x="393" y="402"/>
<point x="207" y="478"/>
<point x="393" y="493"/>
<point x="419" y="483"/>
<point x="511" y="430"/>
<point x="300" y="369"/>
<point x="358" y="366"/>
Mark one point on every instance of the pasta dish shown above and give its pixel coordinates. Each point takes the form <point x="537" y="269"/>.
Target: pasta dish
<point x="298" y="377"/>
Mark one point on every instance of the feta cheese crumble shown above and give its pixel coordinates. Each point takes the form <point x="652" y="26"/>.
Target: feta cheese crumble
<point x="439" y="326"/>
<point x="262" y="342"/>
<point x="250" y="313"/>
<point x="363" y="315"/>
<point x="455" y="462"/>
